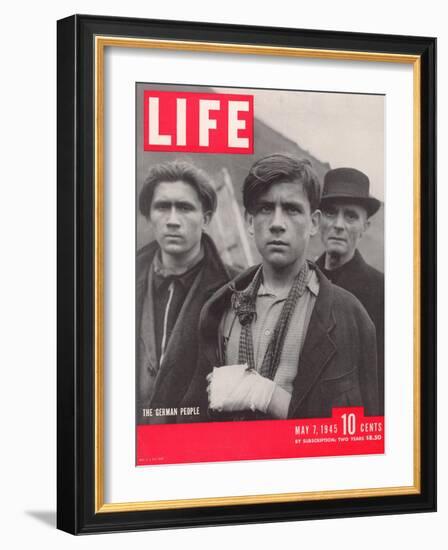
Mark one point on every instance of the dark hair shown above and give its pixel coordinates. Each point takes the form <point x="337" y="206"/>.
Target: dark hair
<point x="177" y="171"/>
<point x="279" y="168"/>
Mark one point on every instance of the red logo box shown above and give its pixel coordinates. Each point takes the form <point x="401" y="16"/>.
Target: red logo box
<point x="198" y="123"/>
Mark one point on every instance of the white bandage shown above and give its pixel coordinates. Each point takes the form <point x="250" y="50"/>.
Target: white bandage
<point x="237" y="388"/>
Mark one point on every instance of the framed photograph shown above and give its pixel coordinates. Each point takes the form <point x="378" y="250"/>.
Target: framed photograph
<point x="246" y="274"/>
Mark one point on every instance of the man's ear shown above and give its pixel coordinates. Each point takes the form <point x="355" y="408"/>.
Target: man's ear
<point x="315" y="222"/>
<point x="207" y="218"/>
<point x="249" y="218"/>
<point x="366" y="224"/>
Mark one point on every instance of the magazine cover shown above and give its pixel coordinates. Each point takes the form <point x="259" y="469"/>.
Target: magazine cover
<point x="259" y="274"/>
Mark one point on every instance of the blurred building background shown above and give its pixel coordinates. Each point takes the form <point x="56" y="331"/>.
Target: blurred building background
<point x="227" y="173"/>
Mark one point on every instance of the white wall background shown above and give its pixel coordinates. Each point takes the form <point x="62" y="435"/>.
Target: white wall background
<point x="28" y="280"/>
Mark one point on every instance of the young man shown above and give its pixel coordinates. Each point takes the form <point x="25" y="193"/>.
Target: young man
<point x="280" y="341"/>
<point x="346" y="210"/>
<point x="175" y="275"/>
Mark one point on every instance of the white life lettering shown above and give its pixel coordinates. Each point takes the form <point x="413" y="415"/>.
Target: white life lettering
<point x="235" y="124"/>
<point x="155" y="138"/>
<point x="205" y="122"/>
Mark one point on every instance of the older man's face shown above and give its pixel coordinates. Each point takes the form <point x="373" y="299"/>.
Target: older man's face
<point x="177" y="218"/>
<point x="342" y="227"/>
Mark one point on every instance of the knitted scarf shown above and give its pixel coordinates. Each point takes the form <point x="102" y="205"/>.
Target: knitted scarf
<point x="244" y="305"/>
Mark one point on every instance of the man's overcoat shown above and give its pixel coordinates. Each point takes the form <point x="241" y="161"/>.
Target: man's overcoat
<point x="337" y="365"/>
<point x="171" y="380"/>
<point x="367" y="284"/>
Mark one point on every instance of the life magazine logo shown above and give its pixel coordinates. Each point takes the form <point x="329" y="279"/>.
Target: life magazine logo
<point x="198" y="122"/>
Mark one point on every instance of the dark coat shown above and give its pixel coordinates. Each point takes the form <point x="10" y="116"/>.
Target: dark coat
<point x="337" y="366"/>
<point x="174" y="375"/>
<point x="367" y="284"/>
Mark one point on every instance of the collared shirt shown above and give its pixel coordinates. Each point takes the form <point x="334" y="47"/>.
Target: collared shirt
<point x="169" y="292"/>
<point x="161" y="306"/>
<point x="269" y="306"/>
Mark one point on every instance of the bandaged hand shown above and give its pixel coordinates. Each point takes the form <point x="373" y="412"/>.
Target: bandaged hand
<point x="237" y="388"/>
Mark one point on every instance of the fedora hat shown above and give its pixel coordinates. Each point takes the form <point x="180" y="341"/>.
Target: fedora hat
<point x="350" y="185"/>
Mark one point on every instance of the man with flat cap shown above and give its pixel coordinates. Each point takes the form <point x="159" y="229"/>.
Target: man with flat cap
<point x="346" y="207"/>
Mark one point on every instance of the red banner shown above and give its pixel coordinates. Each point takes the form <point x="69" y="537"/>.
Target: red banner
<point x="348" y="432"/>
<point x="198" y="122"/>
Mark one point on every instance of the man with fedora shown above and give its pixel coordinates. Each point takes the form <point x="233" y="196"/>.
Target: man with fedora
<point x="346" y="208"/>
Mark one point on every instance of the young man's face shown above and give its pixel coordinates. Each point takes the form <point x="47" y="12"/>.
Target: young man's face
<point x="282" y="224"/>
<point x="177" y="218"/>
<point x="341" y="228"/>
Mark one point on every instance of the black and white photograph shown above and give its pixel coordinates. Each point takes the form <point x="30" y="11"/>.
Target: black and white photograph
<point x="259" y="271"/>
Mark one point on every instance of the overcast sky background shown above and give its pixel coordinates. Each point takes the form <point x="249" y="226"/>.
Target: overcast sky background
<point x="338" y="128"/>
